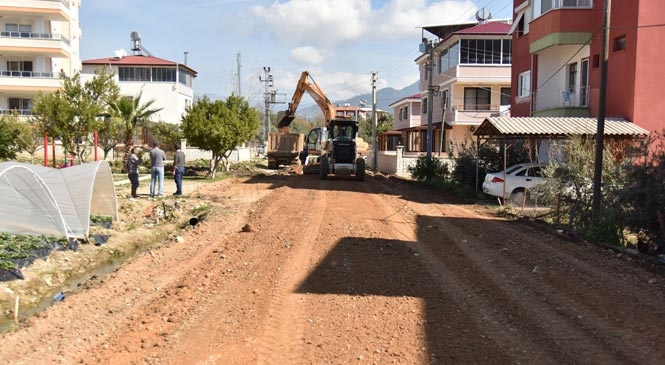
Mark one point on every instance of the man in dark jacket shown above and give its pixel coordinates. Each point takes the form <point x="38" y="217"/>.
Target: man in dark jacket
<point x="178" y="168"/>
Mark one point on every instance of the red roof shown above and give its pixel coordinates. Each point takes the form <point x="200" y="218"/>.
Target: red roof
<point x="139" y="60"/>
<point x="487" y="28"/>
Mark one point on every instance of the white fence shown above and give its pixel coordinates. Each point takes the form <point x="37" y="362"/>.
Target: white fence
<point x="398" y="162"/>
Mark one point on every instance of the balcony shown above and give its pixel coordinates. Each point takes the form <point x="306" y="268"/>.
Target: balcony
<point x="28" y="81"/>
<point x="475" y="113"/>
<point x="562" y="26"/>
<point x="562" y="102"/>
<point x="17" y="112"/>
<point x="48" y="44"/>
<point x="57" y="10"/>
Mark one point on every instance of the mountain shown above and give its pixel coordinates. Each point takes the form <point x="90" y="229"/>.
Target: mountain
<point x="384" y="97"/>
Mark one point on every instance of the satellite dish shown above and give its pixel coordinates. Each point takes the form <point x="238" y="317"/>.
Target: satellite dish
<point x="120" y="53"/>
<point x="483" y="15"/>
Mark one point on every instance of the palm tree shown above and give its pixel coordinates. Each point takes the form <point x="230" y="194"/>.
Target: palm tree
<point x="132" y="113"/>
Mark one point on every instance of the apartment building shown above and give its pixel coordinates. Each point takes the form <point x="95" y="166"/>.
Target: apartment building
<point x="39" y="39"/>
<point x="169" y="83"/>
<point x="557" y="56"/>
<point x="470" y="82"/>
<point x="406" y="118"/>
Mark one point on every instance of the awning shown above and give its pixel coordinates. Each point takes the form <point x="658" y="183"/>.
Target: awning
<point x="556" y="127"/>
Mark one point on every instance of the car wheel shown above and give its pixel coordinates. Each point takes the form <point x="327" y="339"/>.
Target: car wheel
<point x="519" y="198"/>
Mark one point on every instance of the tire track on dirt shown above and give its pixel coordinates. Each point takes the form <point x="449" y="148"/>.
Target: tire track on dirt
<point x="552" y="318"/>
<point x="568" y="287"/>
<point x="281" y="338"/>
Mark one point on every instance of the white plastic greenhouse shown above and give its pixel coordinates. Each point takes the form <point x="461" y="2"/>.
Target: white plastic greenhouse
<point x="37" y="200"/>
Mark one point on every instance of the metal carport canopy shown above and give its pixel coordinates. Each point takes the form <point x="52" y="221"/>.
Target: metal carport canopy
<point x="551" y="128"/>
<point x="555" y="127"/>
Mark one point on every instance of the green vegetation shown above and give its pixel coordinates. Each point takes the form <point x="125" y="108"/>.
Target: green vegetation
<point x="430" y="170"/>
<point x="72" y="113"/>
<point x="219" y="126"/>
<point x="14" y="248"/>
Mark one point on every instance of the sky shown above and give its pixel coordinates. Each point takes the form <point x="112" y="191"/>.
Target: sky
<point x="340" y="42"/>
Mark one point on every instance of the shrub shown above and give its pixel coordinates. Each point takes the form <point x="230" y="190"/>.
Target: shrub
<point x="430" y="170"/>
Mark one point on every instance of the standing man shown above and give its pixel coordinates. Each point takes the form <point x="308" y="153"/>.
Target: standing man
<point x="178" y="168"/>
<point x="157" y="158"/>
<point x="133" y="170"/>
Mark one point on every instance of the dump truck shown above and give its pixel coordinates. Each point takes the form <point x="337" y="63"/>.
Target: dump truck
<point x="283" y="148"/>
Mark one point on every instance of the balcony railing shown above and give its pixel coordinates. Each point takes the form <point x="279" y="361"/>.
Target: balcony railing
<point x="550" y="98"/>
<point x="30" y="35"/>
<point x="23" y="112"/>
<point x="45" y="75"/>
<point x="470" y="107"/>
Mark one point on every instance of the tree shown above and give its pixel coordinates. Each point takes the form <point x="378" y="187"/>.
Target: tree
<point x="30" y="137"/>
<point x="132" y="113"/>
<point x="167" y="133"/>
<point x="109" y="134"/>
<point x="72" y="113"/>
<point x="10" y="141"/>
<point x="384" y="123"/>
<point x="220" y="126"/>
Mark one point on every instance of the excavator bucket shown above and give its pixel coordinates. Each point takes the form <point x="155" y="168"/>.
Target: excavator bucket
<point x="285" y="120"/>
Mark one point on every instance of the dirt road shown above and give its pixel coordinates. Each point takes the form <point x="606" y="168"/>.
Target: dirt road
<point x="295" y="270"/>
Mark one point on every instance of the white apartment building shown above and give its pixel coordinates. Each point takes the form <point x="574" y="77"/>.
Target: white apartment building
<point x="169" y="83"/>
<point x="470" y="79"/>
<point x="38" y="40"/>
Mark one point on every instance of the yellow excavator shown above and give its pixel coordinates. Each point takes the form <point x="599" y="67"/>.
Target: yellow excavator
<point x="334" y="149"/>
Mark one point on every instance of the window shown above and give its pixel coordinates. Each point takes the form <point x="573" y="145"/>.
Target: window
<point x="424" y="106"/>
<point x="406" y="112"/>
<point x="477" y="98"/>
<point x="543" y="6"/>
<point x="22" y="106"/>
<point x="620" y="43"/>
<point x="596" y="61"/>
<point x="524" y="84"/>
<point x="485" y="51"/>
<point x="443" y="60"/>
<point x="183" y="78"/>
<point x="162" y="74"/>
<point x="134" y="73"/>
<point x="505" y="96"/>
<point x="18" y="30"/>
<point x="19" y="68"/>
<point x="572" y="77"/>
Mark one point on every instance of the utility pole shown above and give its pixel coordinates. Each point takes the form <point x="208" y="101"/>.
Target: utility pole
<point x="239" y="65"/>
<point x="600" y="129"/>
<point x="269" y="98"/>
<point x="428" y="47"/>
<point x="375" y="149"/>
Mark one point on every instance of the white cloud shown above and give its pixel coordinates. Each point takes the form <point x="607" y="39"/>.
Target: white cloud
<point x="336" y="85"/>
<point x="325" y="22"/>
<point x="307" y="55"/>
<point x="402" y="19"/>
<point x="333" y="22"/>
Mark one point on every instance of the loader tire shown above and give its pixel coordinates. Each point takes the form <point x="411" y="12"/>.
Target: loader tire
<point x="360" y="169"/>
<point x="324" y="167"/>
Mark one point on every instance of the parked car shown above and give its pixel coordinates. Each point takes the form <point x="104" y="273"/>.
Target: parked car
<point x="519" y="180"/>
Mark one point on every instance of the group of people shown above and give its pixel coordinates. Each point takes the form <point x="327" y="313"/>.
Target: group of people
<point x="157" y="159"/>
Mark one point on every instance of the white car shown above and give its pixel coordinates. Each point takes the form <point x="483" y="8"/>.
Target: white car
<point x="519" y="179"/>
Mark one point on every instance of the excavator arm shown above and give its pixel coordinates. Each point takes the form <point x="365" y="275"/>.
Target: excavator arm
<point x="306" y="84"/>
